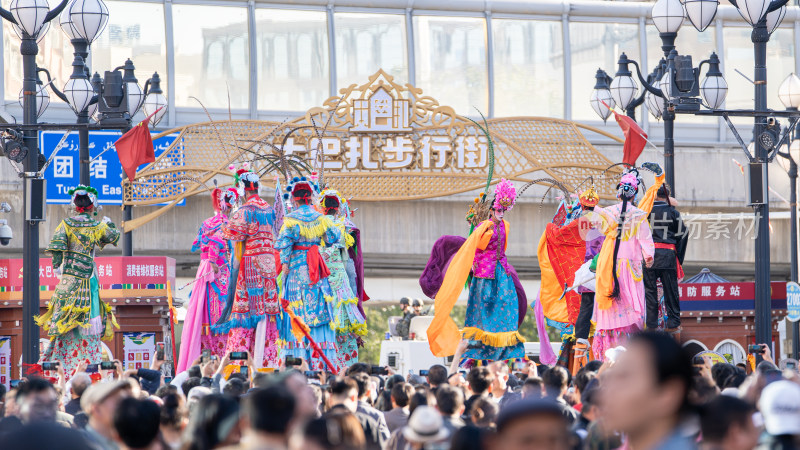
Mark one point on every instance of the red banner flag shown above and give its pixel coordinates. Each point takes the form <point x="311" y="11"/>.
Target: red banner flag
<point x="135" y="148"/>
<point x="635" y="138"/>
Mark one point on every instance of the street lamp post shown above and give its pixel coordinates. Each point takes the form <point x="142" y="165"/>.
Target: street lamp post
<point x="111" y="96"/>
<point x="789" y="94"/>
<point x="30" y="16"/>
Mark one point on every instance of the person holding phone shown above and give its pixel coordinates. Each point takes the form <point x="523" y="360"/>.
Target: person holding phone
<point x="305" y="274"/>
<point x="253" y="296"/>
<point x="210" y="285"/>
<point x="76" y="319"/>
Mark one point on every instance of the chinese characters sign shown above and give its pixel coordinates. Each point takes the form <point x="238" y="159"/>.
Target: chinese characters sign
<point x="143" y="273"/>
<point x="105" y="170"/>
<point x="726" y="296"/>
<point x="139" y="349"/>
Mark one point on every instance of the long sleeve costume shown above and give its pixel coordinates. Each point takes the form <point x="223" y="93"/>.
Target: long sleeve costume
<point x="306" y="286"/>
<point x="76" y="318"/>
<point x="208" y="294"/>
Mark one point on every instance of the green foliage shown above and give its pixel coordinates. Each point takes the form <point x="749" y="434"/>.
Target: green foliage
<point x="378" y="325"/>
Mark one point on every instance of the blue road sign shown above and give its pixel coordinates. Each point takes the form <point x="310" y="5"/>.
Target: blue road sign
<point x="106" y="172"/>
<point x="793" y="301"/>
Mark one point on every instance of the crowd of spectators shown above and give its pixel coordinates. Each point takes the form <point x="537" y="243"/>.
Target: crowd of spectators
<point x="651" y="396"/>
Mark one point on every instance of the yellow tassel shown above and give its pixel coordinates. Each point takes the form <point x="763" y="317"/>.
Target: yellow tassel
<point x="349" y="241"/>
<point x="307" y="230"/>
<point x="501" y="339"/>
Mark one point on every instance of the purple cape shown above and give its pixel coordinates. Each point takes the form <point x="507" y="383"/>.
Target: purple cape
<point x="442" y="253"/>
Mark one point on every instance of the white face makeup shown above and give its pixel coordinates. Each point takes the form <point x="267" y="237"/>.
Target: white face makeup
<point x="499" y="213"/>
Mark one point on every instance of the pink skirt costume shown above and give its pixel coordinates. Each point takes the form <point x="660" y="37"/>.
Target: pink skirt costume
<point x="208" y="294"/>
<point x="626" y="314"/>
<point x="255" y="298"/>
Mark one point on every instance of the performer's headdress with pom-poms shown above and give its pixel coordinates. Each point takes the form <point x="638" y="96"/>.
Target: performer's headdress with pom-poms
<point x="628" y="185"/>
<point x="304" y="188"/>
<point x="244" y="178"/>
<point x="84" y="198"/>
<point x="505" y="195"/>
<point x="330" y="199"/>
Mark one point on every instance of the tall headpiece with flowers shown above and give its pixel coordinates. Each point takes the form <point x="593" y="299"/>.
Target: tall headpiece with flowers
<point x="244" y="178"/>
<point x="505" y="195"/>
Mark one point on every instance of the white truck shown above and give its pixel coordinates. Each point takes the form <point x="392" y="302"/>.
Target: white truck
<point x="411" y="356"/>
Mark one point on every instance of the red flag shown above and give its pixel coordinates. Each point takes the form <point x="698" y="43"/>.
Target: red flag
<point x="635" y="138"/>
<point x="135" y="148"/>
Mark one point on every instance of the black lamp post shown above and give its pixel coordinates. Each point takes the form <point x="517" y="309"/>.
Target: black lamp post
<point x="82" y="22"/>
<point x="789" y="94"/>
<point x="30" y="16"/>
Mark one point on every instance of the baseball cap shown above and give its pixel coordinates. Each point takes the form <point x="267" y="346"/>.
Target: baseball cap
<point x="780" y="406"/>
<point x="98" y="392"/>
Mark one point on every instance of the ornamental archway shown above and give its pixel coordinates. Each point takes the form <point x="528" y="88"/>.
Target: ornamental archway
<point x="379" y="141"/>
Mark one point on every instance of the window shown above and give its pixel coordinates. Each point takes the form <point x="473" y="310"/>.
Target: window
<point x="55" y="55"/>
<point x="593" y="46"/>
<point x="451" y="61"/>
<point x="292" y="46"/>
<point x="739" y="55"/>
<point x="528" y="68"/>
<point x="209" y="42"/>
<point x="368" y="42"/>
<point x="135" y="31"/>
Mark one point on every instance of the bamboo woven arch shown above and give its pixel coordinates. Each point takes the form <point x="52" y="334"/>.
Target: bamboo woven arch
<point x="525" y="148"/>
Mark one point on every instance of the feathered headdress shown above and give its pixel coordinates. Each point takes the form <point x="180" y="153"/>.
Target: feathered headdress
<point x="589" y="198"/>
<point x="505" y="194"/>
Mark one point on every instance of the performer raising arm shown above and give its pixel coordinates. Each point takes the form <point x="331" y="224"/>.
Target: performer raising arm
<point x="76" y="318"/>
<point x="494" y="309"/>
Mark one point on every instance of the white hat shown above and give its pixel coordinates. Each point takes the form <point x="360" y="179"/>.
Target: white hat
<point x="425" y="425"/>
<point x="780" y="406"/>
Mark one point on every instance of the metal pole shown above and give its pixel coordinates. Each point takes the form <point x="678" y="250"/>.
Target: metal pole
<point x="763" y="307"/>
<point x="30" y="229"/>
<point x="81" y="48"/>
<point x="127" y="237"/>
<point x="793" y="214"/>
<point x="669" y="149"/>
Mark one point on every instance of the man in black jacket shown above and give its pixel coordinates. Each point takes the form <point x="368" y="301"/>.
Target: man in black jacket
<point x="669" y="236"/>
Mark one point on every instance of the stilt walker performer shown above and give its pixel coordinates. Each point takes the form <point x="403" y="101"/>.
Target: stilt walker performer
<point x="305" y="275"/>
<point x="255" y="268"/>
<point x="348" y="321"/>
<point x="210" y="289"/>
<point x="76" y="319"/>
<point x="494" y="309"/>
<point x="628" y="247"/>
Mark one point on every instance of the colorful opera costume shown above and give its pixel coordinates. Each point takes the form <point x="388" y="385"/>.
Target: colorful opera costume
<point x="496" y="304"/>
<point x="252" y="308"/>
<point x="619" y="300"/>
<point x="210" y="288"/>
<point x="349" y="322"/>
<point x="305" y="275"/>
<point x="76" y="319"/>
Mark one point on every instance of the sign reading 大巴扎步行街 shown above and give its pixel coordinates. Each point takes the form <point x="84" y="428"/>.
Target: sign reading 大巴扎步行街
<point x="793" y="301"/>
<point x="105" y="170"/>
